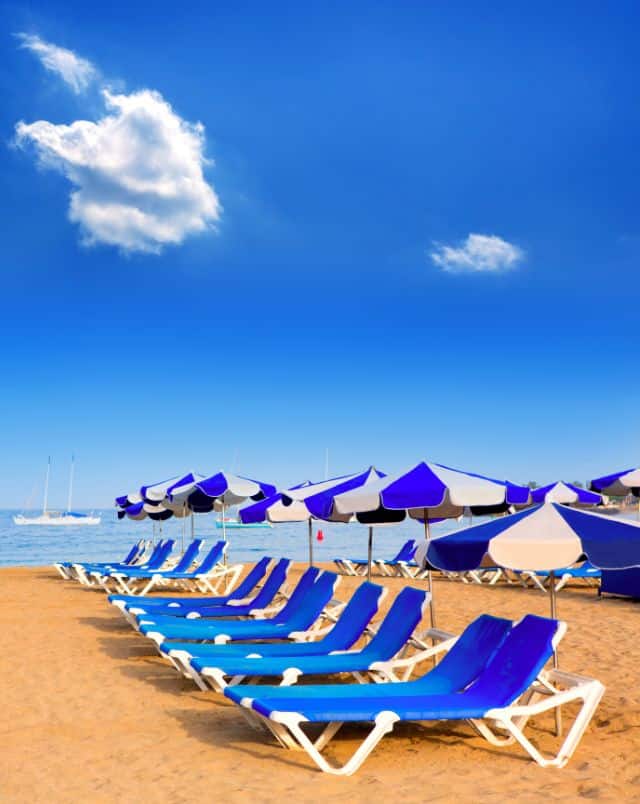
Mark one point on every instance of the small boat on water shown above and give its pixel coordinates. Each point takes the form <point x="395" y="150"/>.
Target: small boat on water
<point x="235" y="522"/>
<point x="67" y="517"/>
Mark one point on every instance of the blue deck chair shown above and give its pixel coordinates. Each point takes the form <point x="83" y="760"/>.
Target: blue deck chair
<point x="213" y="663"/>
<point x="65" y="568"/>
<point x="210" y="617"/>
<point x="159" y="558"/>
<point x="585" y="572"/>
<point x="392" y="636"/>
<point x="511" y="688"/>
<point x="181" y="572"/>
<point x="180" y="606"/>
<point x="312" y="593"/>
<point x="88" y="572"/>
<point x="261" y="602"/>
<point x="358" y="566"/>
<point x="459" y="667"/>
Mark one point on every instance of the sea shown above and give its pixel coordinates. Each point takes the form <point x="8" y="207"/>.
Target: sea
<point x="25" y="545"/>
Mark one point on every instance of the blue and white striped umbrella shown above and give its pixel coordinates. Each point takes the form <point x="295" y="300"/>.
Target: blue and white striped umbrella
<point x="308" y="501"/>
<point x="429" y="491"/>
<point x="565" y="494"/>
<point x="219" y="491"/>
<point x="548" y="537"/>
<point x="619" y="484"/>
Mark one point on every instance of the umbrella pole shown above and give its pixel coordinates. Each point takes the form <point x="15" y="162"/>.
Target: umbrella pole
<point x="554" y="616"/>
<point x="370" y="555"/>
<point x="224" y="533"/>
<point x="427" y="536"/>
<point x="310" y="542"/>
<point x="184" y="525"/>
<point x="193" y="526"/>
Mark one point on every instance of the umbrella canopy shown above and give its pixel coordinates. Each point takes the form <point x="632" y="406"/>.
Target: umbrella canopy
<point x="308" y="501"/>
<point x="566" y="494"/>
<point x="142" y="510"/>
<point x="157" y="492"/>
<point x="548" y="537"/>
<point x="619" y="484"/>
<point x="428" y="490"/>
<point x="268" y="510"/>
<point x="220" y="490"/>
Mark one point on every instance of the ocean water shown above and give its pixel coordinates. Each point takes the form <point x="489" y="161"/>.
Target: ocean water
<point x="22" y="545"/>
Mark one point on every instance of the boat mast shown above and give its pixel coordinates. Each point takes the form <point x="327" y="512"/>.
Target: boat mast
<point x="70" y="484"/>
<point x="46" y="487"/>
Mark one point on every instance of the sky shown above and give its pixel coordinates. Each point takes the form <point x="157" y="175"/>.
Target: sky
<point x="240" y="235"/>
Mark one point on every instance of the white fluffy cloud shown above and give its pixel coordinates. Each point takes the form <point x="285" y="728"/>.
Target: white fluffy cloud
<point x="137" y="172"/>
<point x="73" y="69"/>
<point x="477" y="254"/>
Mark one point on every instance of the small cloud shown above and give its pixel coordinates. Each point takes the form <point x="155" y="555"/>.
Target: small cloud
<point x="137" y="172"/>
<point x="477" y="254"/>
<point x="77" y="72"/>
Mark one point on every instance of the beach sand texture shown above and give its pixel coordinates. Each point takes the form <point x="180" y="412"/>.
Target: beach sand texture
<point x="90" y="712"/>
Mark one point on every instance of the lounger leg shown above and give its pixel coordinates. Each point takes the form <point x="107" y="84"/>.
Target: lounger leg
<point x="383" y="725"/>
<point x="589" y="693"/>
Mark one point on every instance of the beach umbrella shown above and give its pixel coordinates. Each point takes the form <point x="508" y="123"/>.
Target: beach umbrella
<point x="139" y="505"/>
<point x="548" y="537"/>
<point x="217" y="492"/>
<point x="427" y="492"/>
<point x="565" y="494"/>
<point x="619" y="484"/>
<point x="308" y="501"/>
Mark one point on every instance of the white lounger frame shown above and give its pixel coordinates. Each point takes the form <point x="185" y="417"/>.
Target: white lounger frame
<point x="544" y="695"/>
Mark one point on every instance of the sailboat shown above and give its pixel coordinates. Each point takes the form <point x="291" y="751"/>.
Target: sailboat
<point x="48" y="517"/>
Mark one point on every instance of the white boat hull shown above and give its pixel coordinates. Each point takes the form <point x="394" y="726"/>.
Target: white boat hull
<point x="63" y="520"/>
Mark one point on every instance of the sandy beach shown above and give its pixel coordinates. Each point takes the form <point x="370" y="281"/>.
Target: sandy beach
<point x="90" y="711"/>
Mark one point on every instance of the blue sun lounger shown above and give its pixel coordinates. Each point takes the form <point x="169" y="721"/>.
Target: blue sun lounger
<point x="391" y="637"/>
<point x="213" y="663"/>
<point x="303" y="608"/>
<point x="82" y="571"/>
<point x="181" y="606"/>
<point x="257" y="606"/>
<point x="65" y="568"/>
<point x="509" y="688"/>
<point x="358" y="566"/>
<point x="181" y="575"/>
<point x="585" y="572"/>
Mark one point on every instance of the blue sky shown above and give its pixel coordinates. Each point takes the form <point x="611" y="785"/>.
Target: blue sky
<point x="297" y="273"/>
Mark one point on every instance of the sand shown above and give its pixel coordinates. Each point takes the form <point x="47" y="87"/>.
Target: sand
<point x="91" y="712"/>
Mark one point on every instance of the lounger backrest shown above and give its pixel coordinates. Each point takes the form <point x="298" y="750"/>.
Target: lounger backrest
<point x="399" y="624"/>
<point x="189" y="556"/>
<point x="355" y="617"/>
<point x="297" y="596"/>
<point x="517" y="662"/>
<point x="211" y="559"/>
<point x="161" y="556"/>
<point x="311" y="605"/>
<point x="470" y="654"/>
<point x="157" y="550"/>
<point x="406" y="551"/>
<point x="277" y="577"/>
<point x="133" y="553"/>
<point x="252" y="579"/>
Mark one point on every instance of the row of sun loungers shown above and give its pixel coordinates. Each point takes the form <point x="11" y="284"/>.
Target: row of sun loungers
<point x="493" y="675"/>
<point x="401" y="565"/>
<point x="145" y="567"/>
